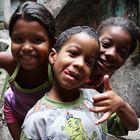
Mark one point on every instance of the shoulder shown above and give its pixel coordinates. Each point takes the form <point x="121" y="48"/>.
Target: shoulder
<point x="38" y="108"/>
<point x="34" y="125"/>
<point x="7" y="61"/>
<point x="34" y="119"/>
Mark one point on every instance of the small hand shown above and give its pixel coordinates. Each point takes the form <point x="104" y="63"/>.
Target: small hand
<point x="107" y="102"/>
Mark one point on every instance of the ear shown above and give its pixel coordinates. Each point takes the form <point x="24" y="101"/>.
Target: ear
<point x="52" y="56"/>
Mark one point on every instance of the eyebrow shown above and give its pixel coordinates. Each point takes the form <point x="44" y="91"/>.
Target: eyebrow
<point x="74" y="46"/>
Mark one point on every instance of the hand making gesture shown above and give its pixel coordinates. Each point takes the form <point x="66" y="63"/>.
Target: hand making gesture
<point x="109" y="102"/>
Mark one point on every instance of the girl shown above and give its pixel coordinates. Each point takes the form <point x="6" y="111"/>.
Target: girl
<point x="32" y="33"/>
<point x="118" y="39"/>
<point x="62" y="113"/>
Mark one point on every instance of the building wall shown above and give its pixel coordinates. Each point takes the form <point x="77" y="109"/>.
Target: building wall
<point x="1" y="14"/>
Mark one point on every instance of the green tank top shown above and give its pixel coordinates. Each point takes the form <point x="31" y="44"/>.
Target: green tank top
<point x="12" y="81"/>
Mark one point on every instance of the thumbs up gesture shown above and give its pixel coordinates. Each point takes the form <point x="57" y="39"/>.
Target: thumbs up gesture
<point x="107" y="102"/>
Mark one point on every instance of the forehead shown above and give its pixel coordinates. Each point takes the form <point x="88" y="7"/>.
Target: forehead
<point x="83" y="42"/>
<point x="28" y="26"/>
<point x="82" y="38"/>
<point x="116" y="31"/>
<point x="117" y="35"/>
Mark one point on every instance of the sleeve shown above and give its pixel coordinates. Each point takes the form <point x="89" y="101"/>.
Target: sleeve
<point x="34" y="127"/>
<point x="23" y="136"/>
<point x="115" y="127"/>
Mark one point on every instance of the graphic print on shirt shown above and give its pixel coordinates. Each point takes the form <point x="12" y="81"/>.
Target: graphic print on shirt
<point x="74" y="129"/>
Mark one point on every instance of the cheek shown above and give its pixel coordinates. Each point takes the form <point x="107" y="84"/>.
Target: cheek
<point x="63" y="59"/>
<point x="44" y="51"/>
<point x="120" y="61"/>
<point x="59" y="63"/>
<point x="87" y="72"/>
<point x="102" y="50"/>
<point x="15" y="49"/>
<point x="14" y="46"/>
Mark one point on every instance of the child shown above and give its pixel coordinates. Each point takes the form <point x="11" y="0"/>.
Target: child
<point x="118" y="39"/>
<point x="62" y="113"/>
<point x="32" y="32"/>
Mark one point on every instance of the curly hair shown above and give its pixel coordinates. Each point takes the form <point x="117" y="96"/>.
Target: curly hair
<point x="67" y="34"/>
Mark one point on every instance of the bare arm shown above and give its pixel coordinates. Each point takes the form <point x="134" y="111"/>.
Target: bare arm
<point x="7" y="62"/>
<point x="127" y="114"/>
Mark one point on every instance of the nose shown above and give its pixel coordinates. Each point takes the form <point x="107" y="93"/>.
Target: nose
<point x="27" y="47"/>
<point x="111" y="54"/>
<point x="79" y="62"/>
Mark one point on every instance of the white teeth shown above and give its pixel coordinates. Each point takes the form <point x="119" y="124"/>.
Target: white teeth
<point x="28" y="56"/>
<point x="106" y="64"/>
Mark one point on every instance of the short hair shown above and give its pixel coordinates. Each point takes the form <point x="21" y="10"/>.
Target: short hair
<point x="68" y="33"/>
<point x="126" y="25"/>
<point x="32" y="11"/>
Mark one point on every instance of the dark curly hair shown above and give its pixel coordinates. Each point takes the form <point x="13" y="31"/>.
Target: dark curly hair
<point x="67" y="34"/>
<point x="32" y="11"/>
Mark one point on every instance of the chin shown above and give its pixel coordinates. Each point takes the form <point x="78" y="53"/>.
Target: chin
<point x="104" y="70"/>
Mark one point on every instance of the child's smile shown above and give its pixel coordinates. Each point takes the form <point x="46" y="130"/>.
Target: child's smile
<point x="30" y="43"/>
<point x="72" y="75"/>
<point x="73" y="63"/>
<point x="115" y="44"/>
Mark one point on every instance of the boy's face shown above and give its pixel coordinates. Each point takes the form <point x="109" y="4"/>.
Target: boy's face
<point x="74" y="62"/>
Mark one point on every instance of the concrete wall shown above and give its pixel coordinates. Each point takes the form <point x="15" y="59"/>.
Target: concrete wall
<point x="54" y="6"/>
<point x="1" y="14"/>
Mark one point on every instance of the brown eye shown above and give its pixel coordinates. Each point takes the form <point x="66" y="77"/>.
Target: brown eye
<point x="17" y="39"/>
<point x="105" y="44"/>
<point x="73" y="53"/>
<point x="37" y="40"/>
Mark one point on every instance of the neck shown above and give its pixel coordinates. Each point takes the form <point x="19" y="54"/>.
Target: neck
<point x="32" y="78"/>
<point x="63" y="95"/>
<point x="96" y="78"/>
